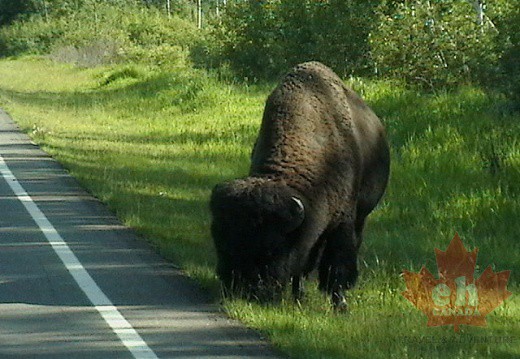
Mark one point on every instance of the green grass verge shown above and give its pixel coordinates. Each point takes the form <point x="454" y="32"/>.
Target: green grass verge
<point x="152" y="146"/>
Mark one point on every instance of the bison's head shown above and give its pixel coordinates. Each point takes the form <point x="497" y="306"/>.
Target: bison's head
<point x="255" y="225"/>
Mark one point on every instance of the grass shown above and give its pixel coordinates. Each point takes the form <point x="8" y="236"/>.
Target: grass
<point x="152" y="146"/>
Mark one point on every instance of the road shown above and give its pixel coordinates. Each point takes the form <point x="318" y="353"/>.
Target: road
<point x="76" y="283"/>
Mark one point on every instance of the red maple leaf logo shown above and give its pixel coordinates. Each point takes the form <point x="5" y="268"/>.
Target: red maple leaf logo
<point x="456" y="297"/>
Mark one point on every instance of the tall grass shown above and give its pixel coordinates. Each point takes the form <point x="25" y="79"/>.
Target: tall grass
<point x="152" y="145"/>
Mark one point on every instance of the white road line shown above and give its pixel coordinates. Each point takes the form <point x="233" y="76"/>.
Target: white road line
<point x="124" y="330"/>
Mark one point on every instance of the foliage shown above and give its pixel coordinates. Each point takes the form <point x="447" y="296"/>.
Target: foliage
<point x="103" y="32"/>
<point x="176" y="6"/>
<point x="156" y="39"/>
<point x="509" y="65"/>
<point x="435" y="43"/>
<point x="265" y="38"/>
<point x="31" y="37"/>
<point x="11" y="10"/>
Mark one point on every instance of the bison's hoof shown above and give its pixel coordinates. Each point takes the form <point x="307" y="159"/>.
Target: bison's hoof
<point x="341" y="307"/>
<point x="340" y="304"/>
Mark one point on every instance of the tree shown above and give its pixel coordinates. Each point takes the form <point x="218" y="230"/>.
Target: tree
<point x="10" y="10"/>
<point x="199" y="14"/>
<point x="478" y="5"/>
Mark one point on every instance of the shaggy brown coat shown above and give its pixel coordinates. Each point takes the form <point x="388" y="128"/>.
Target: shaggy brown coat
<point x="319" y="166"/>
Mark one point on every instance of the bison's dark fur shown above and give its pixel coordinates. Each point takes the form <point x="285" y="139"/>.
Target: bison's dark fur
<point x="319" y="167"/>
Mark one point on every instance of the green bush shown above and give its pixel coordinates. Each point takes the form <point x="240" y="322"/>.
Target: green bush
<point x="11" y="10"/>
<point x="262" y="39"/>
<point x="434" y="43"/>
<point x="510" y="62"/>
<point x="30" y="37"/>
<point x="101" y="32"/>
<point x="161" y="55"/>
<point x="152" y="28"/>
<point x="248" y="39"/>
<point x="158" y="40"/>
<point x="335" y="32"/>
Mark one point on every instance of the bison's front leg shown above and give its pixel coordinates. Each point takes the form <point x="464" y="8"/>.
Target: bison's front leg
<point x="297" y="288"/>
<point x="338" y="266"/>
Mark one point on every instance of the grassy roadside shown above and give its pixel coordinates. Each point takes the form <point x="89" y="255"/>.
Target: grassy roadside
<point x="153" y="145"/>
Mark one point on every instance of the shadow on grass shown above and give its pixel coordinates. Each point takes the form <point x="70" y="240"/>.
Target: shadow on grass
<point x="182" y="89"/>
<point x="165" y="199"/>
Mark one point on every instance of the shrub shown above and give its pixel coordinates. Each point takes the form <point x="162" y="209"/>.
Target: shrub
<point x="264" y="38"/>
<point x="509" y="65"/>
<point x="334" y="32"/>
<point x="158" y="40"/>
<point x="102" y="33"/>
<point x="161" y="55"/>
<point x="11" y="10"/>
<point x="248" y="38"/>
<point x="32" y="37"/>
<point x="98" y="52"/>
<point x="435" y="43"/>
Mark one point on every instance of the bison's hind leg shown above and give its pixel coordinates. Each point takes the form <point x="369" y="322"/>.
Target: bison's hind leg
<point x="338" y="266"/>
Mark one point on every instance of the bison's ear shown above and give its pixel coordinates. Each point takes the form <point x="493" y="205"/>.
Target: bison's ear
<point x="297" y="214"/>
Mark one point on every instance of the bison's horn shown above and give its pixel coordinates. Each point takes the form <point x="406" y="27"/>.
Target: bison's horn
<point x="297" y="214"/>
<point x="299" y="204"/>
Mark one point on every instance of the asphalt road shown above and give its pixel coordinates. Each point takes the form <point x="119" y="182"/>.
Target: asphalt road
<point x="75" y="283"/>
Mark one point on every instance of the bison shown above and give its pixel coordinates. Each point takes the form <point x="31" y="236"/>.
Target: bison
<point x="318" y="168"/>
